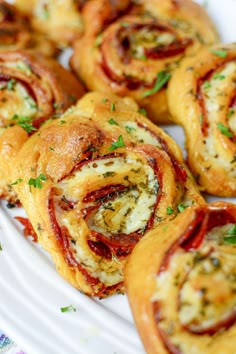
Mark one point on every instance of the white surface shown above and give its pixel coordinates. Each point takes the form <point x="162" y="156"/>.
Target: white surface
<point x="32" y="293"/>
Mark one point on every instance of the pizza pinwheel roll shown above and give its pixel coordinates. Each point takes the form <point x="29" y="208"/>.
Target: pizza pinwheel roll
<point x="33" y="89"/>
<point x="94" y="182"/>
<point x="60" y="20"/>
<point x="181" y="286"/>
<point x="202" y="98"/>
<point x="16" y="34"/>
<point x="132" y="47"/>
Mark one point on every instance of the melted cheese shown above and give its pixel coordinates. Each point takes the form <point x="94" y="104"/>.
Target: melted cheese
<point x="198" y="291"/>
<point x="213" y="101"/>
<point x="127" y="212"/>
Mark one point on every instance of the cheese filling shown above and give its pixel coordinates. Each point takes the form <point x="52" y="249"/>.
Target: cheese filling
<point x="127" y="210"/>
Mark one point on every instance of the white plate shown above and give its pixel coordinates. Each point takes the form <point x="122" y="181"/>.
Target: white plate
<point x="32" y="292"/>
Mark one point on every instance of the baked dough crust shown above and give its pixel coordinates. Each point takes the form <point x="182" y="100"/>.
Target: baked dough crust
<point x="60" y="20"/>
<point x="108" y="175"/>
<point x="34" y="88"/>
<point x="179" y="281"/>
<point x="17" y="34"/>
<point x="202" y="98"/>
<point x="125" y="46"/>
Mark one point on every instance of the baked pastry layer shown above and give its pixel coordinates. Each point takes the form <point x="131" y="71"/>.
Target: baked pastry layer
<point x="17" y="34"/>
<point x="60" y="20"/>
<point x="132" y="47"/>
<point x="94" y="182"/>
<point x="202" y="98"/>
<point x="180" y="282"/>
<point x="33" y="88"/>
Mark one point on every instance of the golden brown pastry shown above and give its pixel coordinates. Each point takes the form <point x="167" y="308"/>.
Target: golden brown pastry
<point x="16" y="34"/>
<point x="94" y="182"/>
<point x="59" y="20"/>
<point x="130" y="48"/>
<point x="202" y="98"/>
<point x="181" y="286"/>
<point x="33" y="88"/>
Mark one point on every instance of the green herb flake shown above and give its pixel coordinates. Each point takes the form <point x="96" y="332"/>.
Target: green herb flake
<point x="218" y="76"/>
<point x="142" y="57"/>
<point x="206" y="85"/>
<point x="55" y="105"/>
<point x="24" y="122"/>
<point x="231" y="235"/>
<point x="169" y="210"/>
<point x="36" y="182"/>
<point x="124" y="24"/>
<point x="109" y="174"/>
<point x="117" y="144"/>
<point x="0" y="247"/>
<point x="220" y="53"/>
<point x="231" y="112"/>
<point x="98" y="40"/>
<point x="11" y="84"/>
<point x="224" y="130"/>
<point x="19" y="180"/>
<point x="129" y="129"/>
<point x="181" y="207"/>
<point x="72" y="98"/>
<point x="162" y="78"/>
<point x="112" y="122"/>
<point x="165" y="228"/>
<point x="68" y="308"/>
<point x="113" y="107"/>
<point x="62" y="121"/>
<point x="104" y="100"/>
<point x="142" y="111"/>
<point x="51" y="148"/>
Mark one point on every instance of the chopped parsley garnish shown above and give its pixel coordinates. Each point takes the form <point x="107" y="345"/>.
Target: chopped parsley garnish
<point x="231" y="112"/>
<point x="72" y="98"/>
<point x="104" y="100"/>
<point x="11" y="84"/>
<point x="113" y="107"/>
<point x="231" y="235"/>
<point x="206" y="85"/>
<point x="62" y="121"/>
<point x="169" y="210"/>
<point x="218" y="76"/>
<point x="112" y="122"/>
<point x="224" y="130"/>
<point x="220" y="53"/>
<point x="109" y="174"/>
<point x="36" y="182"/>
<point x="129" y="129"/>
<point x="181" y="207"/>
<point x="142" y="111"/>
<point x="19" y="180"/>
<point x="117" y="144"/>
<point x="162" y="78"/>
<point x="0" y="247"/>
<point x="142" y="57"/>
<point x="98" y="40"/>
<point x="24" y="122"/>
<point x="68" y="308"/>
<point x="124" y="24"/>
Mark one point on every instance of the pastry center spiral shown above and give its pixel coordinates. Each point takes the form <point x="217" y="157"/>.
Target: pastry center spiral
<point x="201" y="305"/>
